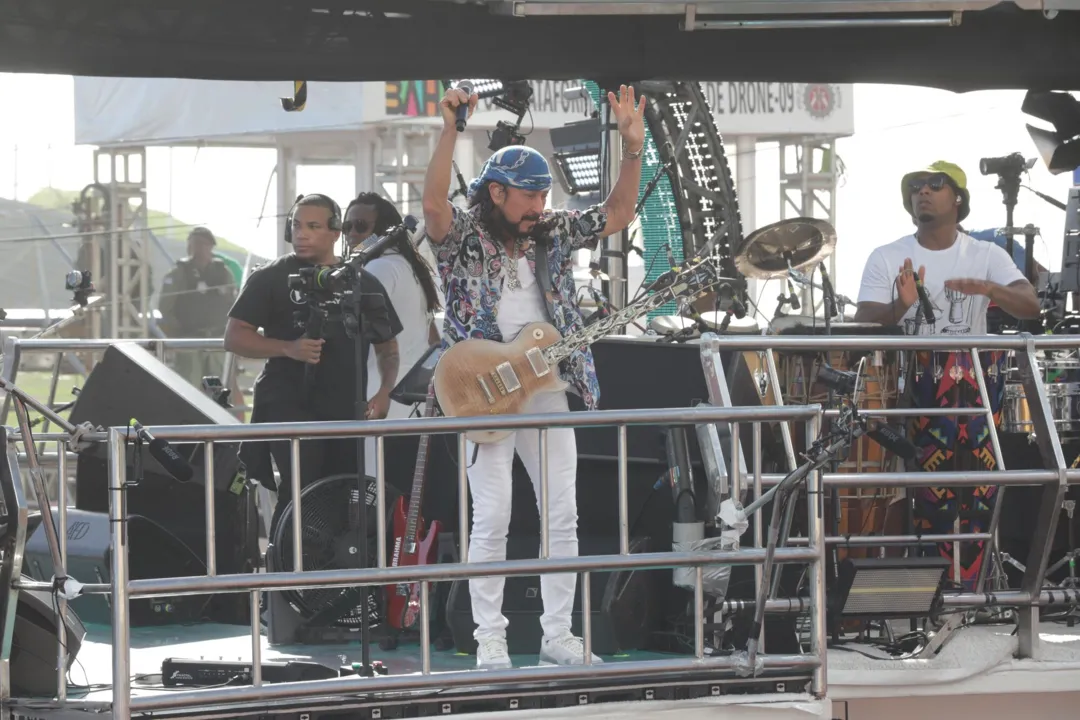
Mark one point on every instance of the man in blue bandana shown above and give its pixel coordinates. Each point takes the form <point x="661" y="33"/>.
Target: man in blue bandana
<point x="507" y="262"/>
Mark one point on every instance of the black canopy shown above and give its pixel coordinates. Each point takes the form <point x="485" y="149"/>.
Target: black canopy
<point x="1000" y="47"/>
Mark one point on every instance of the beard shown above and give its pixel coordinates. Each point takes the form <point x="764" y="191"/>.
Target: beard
<point x="504" y="227"/>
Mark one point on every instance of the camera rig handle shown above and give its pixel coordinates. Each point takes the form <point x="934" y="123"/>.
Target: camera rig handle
<point x="313" y="330"/>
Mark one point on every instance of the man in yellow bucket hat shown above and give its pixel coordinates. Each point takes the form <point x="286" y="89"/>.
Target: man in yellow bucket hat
<point x="959" y="278"/>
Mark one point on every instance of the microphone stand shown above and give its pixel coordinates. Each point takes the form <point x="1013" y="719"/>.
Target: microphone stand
<point x="820" y="455"/>
<point x="360" y="349"/>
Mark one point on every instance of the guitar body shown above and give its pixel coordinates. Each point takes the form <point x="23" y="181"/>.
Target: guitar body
<point x="482" y="377"/>
<point x="403" y="600"/>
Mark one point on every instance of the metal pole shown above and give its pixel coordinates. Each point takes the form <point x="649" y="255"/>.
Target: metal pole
<point x="380" y="502"/>
<point x="699" y="613"/>
<point x="297" y="523"/>
<point x="121" y="632"/>
<point x="624" y="512"/>
<point x="736" y="469"/>
<point x="757" y="518"/>
<point x="586" y="616"/>
<point x="815" y="504"/>
<point x="545" y="539"/>
<point x="256" y="638"/>
<point x="211" y="524"/>
<point x="9" y="387"/>
<point x="463" y="496"/>
<point x="990" y="548"/>
<point x="37" y="479"/>
<point x="349" y="577"/>
<point x="61" y="602"/>
<point x="425" y="629"/>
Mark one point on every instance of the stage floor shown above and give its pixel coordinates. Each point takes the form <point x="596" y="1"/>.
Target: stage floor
<point x="976" y="661"/>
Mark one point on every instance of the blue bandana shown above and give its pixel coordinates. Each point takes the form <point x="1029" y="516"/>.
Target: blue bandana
<point x="515" y="166"/>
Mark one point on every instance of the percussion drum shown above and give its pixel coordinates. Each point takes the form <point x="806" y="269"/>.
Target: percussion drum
<point x="1064" y="401"/>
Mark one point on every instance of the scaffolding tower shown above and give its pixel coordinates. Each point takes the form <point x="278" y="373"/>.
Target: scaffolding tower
<point x="808" y="182"/>
<point x="121" y="172"/>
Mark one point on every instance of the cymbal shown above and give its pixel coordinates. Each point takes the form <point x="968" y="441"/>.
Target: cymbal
<point x="766" y="252"/>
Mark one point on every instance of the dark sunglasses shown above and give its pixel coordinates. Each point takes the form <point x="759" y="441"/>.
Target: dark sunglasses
<point x="935" y="181"/>
<point x="357" y="226"/>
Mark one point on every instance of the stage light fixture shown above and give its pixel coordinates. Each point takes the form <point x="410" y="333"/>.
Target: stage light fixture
<point x="1060" y="148"/>
<point x="577" y="156"/>
<point x="886" y="588"/>
<point x="483" y="88"/>
<point x="578" y="172"/>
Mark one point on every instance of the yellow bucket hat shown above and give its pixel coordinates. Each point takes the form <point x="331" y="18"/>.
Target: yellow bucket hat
<point x="950" y="170"/>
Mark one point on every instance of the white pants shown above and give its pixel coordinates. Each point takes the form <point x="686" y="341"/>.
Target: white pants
<point x="491" y="481"/>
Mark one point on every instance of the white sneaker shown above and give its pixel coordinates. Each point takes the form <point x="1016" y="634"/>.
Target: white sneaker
<point x="491" y="654"/>
<point x="564" y="650"/>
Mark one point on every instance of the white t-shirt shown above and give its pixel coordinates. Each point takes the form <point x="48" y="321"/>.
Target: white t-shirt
<point x="521" y="306"/>
<point x="410" y="303"/>
<point x="954" y="312"/>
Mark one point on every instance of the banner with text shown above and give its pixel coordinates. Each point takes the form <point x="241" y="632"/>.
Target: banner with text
<point x="739" y="108"/>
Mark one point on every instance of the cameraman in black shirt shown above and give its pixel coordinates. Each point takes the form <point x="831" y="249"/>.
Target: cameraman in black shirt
<point x="267" y="303"/>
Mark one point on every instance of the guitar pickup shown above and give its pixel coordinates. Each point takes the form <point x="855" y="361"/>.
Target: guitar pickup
<point x="537" y="362"/>
<point x="507" y="378"/>
<point x="487" y="391"/>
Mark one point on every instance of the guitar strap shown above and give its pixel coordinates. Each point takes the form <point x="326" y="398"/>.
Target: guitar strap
<point x="543" y="276"/>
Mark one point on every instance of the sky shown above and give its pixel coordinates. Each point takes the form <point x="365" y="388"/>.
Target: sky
<point x="897" y="129"/>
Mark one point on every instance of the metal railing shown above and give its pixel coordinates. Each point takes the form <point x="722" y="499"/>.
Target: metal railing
<point x="1055" y="477"/>
<point x="123" y="590"/>
<point x="809" y="549"/>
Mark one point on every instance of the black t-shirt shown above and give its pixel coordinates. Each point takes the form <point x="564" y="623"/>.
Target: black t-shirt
<point x="267" y="303"/>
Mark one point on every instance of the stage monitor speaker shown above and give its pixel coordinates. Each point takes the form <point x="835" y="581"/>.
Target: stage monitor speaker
<point x="129" y="382"/>
<point x="623" y="602"/>
<point x="153" y="553"/>
<point x="624" y="367"/>
<point x="34" y="644"/>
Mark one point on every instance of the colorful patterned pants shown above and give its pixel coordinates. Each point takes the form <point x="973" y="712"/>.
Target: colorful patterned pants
<point x="952" y="443"/>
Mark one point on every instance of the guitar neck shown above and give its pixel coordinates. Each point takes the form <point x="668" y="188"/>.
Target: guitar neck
<point x="416" y="495"/>
<point x="562" y="349"/>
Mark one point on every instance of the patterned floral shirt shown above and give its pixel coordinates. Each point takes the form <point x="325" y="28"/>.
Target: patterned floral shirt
<point x="471" y="264"/>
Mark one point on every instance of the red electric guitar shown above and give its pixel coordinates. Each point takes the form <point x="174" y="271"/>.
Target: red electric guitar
<point x="403" y="600"/>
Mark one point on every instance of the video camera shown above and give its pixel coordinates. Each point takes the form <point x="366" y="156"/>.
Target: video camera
<point x="328" y="287"/>
<point x="1013" y="164"/>
<point x="80" y="283"/>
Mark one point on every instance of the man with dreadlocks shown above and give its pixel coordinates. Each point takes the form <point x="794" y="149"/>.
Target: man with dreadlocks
<point x="410" y="283"/>
<point x="506" y="262"/>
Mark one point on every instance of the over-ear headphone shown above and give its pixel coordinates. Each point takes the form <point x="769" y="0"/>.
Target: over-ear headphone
<point x="334" y="223"/>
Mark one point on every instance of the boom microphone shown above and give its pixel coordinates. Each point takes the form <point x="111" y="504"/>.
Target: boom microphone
<point x="892" y="440"/>
<point x="463" y="109"/>
<point x="166" y="455"/>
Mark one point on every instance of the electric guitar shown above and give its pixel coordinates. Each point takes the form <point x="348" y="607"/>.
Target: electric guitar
<point x="482" y="377"/>
<point x="403" y="599"/>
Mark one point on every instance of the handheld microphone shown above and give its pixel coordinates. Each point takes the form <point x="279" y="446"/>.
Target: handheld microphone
<point x="463" y="109"/>
<point x="892" y="440"/>
<point x="924" y="301"/>
<point x="830" y="292"/>
<point x="793" y="297"/>
<point x="166" y="455"/>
